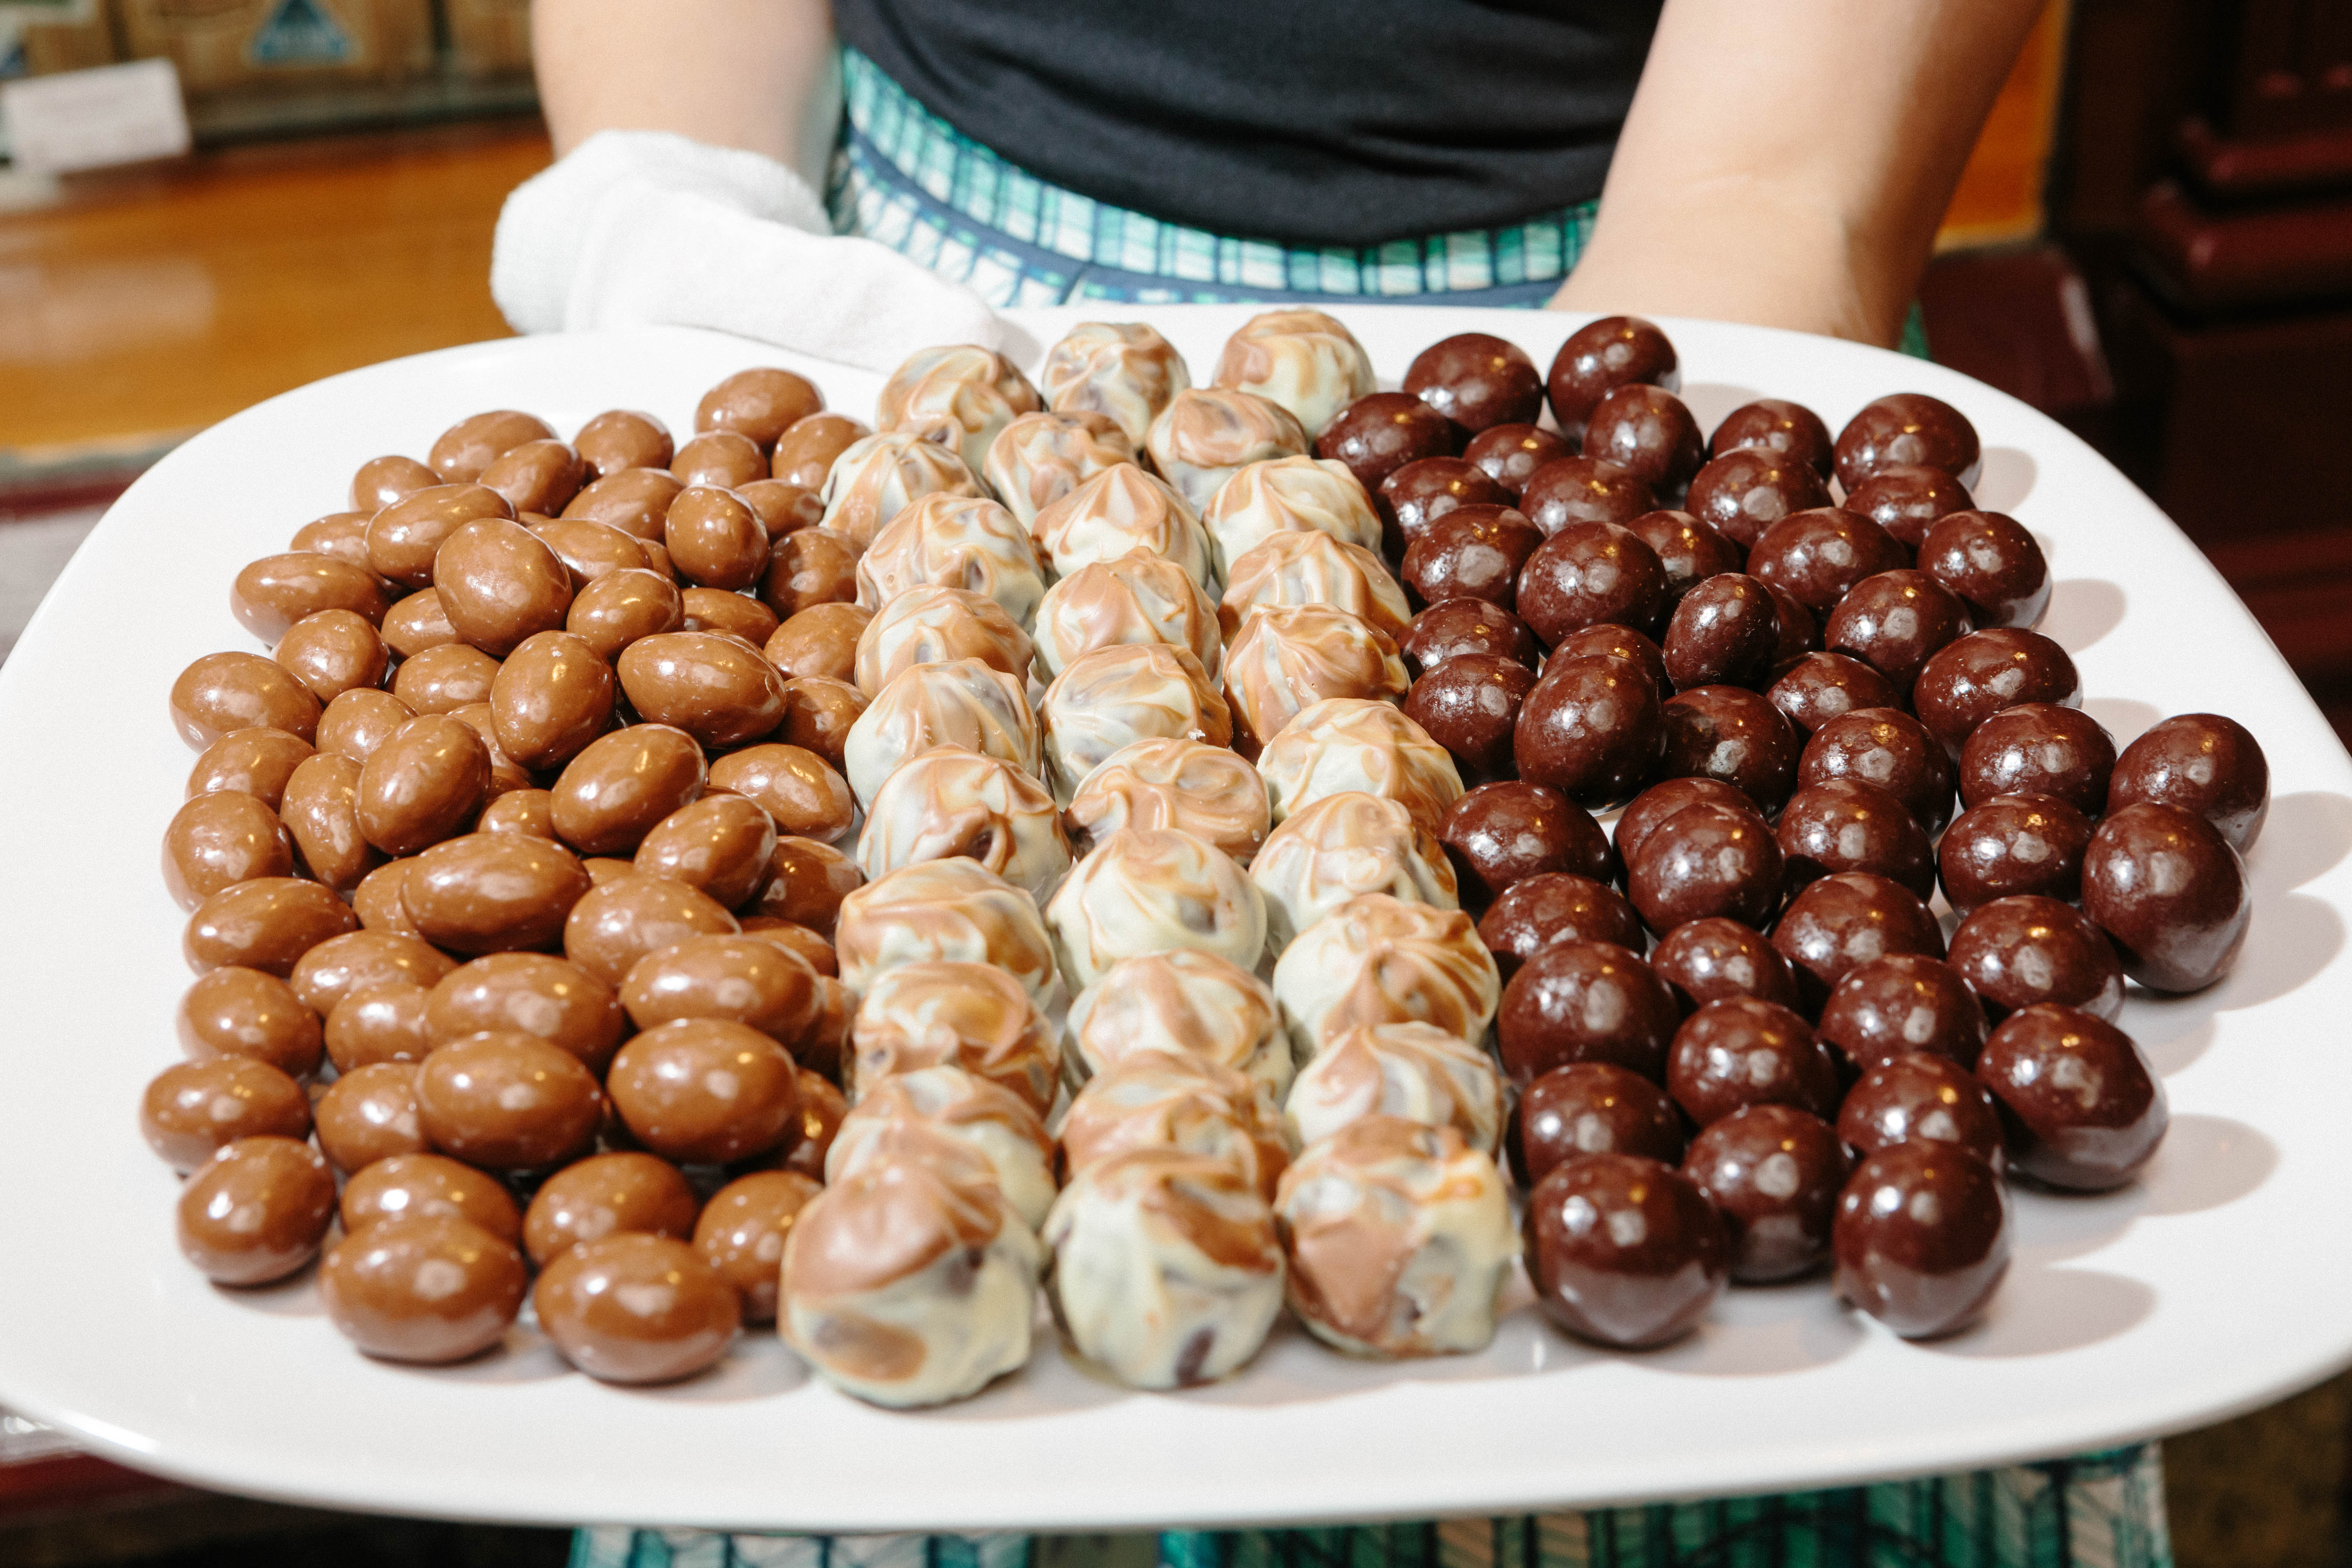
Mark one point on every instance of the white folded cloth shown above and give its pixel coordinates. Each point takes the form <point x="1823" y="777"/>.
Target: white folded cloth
<point x="640" y="227"/>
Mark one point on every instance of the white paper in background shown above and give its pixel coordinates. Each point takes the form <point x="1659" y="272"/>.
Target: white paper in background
<point x="96" y="117"/>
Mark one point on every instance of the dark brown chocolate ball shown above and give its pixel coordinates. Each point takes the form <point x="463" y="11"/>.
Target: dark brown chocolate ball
<point x="1592" y="729"/>
<point x="1921" y="1097"/>
<point x="1728" y="733"/>
<point x="1708" y="960"/>
<point x="1840" y="923"/>
<point x="1555" y="906"/>
<point x="1689" y="550"/>
<point x="1650" y="431"/>
<point x="2013" y="844"/>
<point x="1421" y="492"/>
<point x="1499" y="834"/>
<point x="1903" y="1003"/>
<point x="1590" y="1108"/>
<point x="1773" y="1172"/>
<point x="1815" y="688"/>
<point x="2018" y="951"/>
<point x="1745" y="1051"/>
<point x="1908" y="427"/>
<point x="2038" y="748"/>
<point x="1454" y="627"/>
<point x="1777" y="426"/>
<point x="2203" y="763"/>
<point x="1906" y="500"/>
<point x="1816" y="556"/>
<point x="2077" y="1101"/>
<point x="1577" y="1001"/>
<point x="1587" y="574"/>
<point x="1611" y="640"/>
<point x="1724" y="632"/>
<point x="1742" y="493"/>
<point x="1470" y="705"/>
<point x="1613" y="352"/>
<point x="1511" y="454"/>
<point x="1584" y="489"/>
<point x="1894" y="622"/>
<point x="2172" y="893"/>
<point x="1472" y="553"/>
<point x="1800" y="633"/>
<point x="1624" y="1251"/>
<point x="1982" y="673"/>
<point x="1477" y="381"/>
<point x="1921" y="1238"/>
<point x="1992" y="564"/>
<point x="1702" y="861"/>
<point x="1886" y="747"/>
<point x="1846" y="825"/>
<point x="1646" y="810"/>
<point x="1382" y="431"/>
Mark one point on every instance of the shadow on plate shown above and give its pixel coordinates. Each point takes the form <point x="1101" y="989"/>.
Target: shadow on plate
<point x="2041" y="1310"/>
<point x="2292" y="938"/>
<point x="2177" y="1050"/>
<point x="2125" y="718"/>
<point x="296" y="1296"/>
<point x="2049" y="1226"/>
<point x="1764" y="1330"/>
<point x="526" y="1356"/>
<point x="759" y="1366"/>
<point x="2205" y="1163"/>
<point x="2305" y="837"/>
<point x="2008" y="478"/>
<point x="1709" y="401"/>
<point x="2082" y="611"/>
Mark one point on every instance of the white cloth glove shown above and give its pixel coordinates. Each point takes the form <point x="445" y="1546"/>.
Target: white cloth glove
<point x="643" y="227"/>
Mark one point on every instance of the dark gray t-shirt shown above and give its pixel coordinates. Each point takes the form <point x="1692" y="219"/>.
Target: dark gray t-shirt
<point x="1309" y="121"/>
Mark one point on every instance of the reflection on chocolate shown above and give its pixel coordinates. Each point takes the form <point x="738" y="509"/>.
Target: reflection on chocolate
<point x="1476" y="380"/>
<point x="1500" y="832"/>
<point x="1774" y="1172"/>
<point x="1613" y="352"/>
<point x="1511" y="454"/>
<point x="1816" y="556"/>
<point x="1705" y="861"/>
<point x="1470" y="705"/>
<point x="1472" y="553"/>
<point x="1706" y="959"/>
<point x="1886" y="747"/>
<point x="1726" y="732"/>
<point x="1906" y="500"/>
<point x="1584" y="489"/>
<point x="2020" y="951"/>
<point x="1908" y="427"/>
<point x="1984" y="672"/>
<point x="1743" y="1051"/>
<point x="1777" y="426"/>
<point x="1587" y="574"/>
<point x="2013" y="844"/>
<point x="1555" y="906"/>
<point x="1841" y="922"/>
<point x="1815" y="688"/>
<point x="1377" y="434"/>
<point x="1466" y="626"/>
<point x="1611" y="640"/>
<point x="1918" y="1096"/>
<point x="2171" y="891"/>
<point x="1903" y="1002"/>
<point x="1592" y="728"/>
<point x="1592" y="1108"/>
<point x="2201" y="762"/>
<point x="1689" y="550"/>
<point x="1625" y="1251"/>
<point x="2038" y="748"/>
<point x="1648" y="430"/>
<point x="1921" y="1238"/>
<point x="1743" y="492"/>
<point x="1894" y="622"/>
<point x="1418" y="494"/>
<point x="1722" y="633"/>
<point x="1645" y="810"/>
<point x="2080" y="1105"/>
<point x="1992" y="564"/>
<point x="1846" y="825"/>
<point x="1582" y="1001"/>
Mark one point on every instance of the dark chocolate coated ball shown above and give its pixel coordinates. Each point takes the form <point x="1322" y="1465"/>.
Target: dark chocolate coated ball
<point x="1992" y="564"/>
<point x="1646" y="810"/>
<point x="1744" y="1051"/>
<point x="1817" y="555"/>
<point x="1800" y="633"/>
<point x="1702" y="861"/>
<point x="1498" y="835"/>
<point x="1839" y="923"/>
<point x="1649" y="430"/>
<point x="1454" y="626"/>
<point x="2203" y="763"/>
<point x="1511" y="454"/>
<point x="1592" y="729"/>
<point x="2013" y="844"/>
<point x="1886" y="747"/>
<point x="1421" y="492"/>
<point x="1705" y="961"/>
<point x="1381" y="432"/>
<point x="1846" y="825"/>
<point x="1592" y="1108"/>
<point x="1906" y="500"/>
<point x="1470" y="705"/>
<point x="1921" y="1238"/>
<point x="2171" y="891"/>
<point x="1587" y="574"/>
<point x="1777" y="426"/>
<point x="1724" y="632"/>
<point x="1921" y="1097"/>
<point x="1908" y="427"/>
<point x="2020" y="950"/>
<point x="2038" y="748"/>
<point x="1624" y="1251"/>
<point x="1584" y="489"/>
<point x="1984" y="672"/>
<point x="1904" y="1002"/>
<point x="1742" y="493"/>
<point x="1578" y="1001"/>
<point x="1729" y="733"/>
<point x="2079" y="1104"/>
<point x="1815" y="688"/>
<point x="1689" y="550"/>
<point x="1894" y="622"/>
<point x="1774" y="1172"/>
<point x="1602" y="356"/>
<point x="1609" y="640"/>
<point x="1555" y="906"/>
<point x="1477" y="381"/>
<point x="1472" y="553"/>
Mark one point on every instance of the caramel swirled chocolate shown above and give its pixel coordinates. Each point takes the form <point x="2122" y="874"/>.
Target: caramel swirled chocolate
<point x="936" y="624"/>
<point x="947" y="1102"/>
<point x="1289" y="659"/>
<point x="1204" y="437"/>
<point x="1120" y="509"/>
<point x="1207" y="791"/>
<point x="1309" y="566"/>
<point x="1159" y="1100"/>
<point x="1345" y="743"/>
<point x="1340" y="848"/>
<point x="1379" y="959"/>
<point x="875" y="479"/>
<point x="1417" y="1071"/>
<point x="950" y="802"/>
<point x="1304" y="359"/>
<point x="959" y="395"/>
<point x="1190" y="1003"/>
<point x="1288" y="495"/>
<point x="1125" y="370"/>
<point x="964" y="1015"/>
<point x="1138" y="597"/>
<point x="956" y="910"/>
<point x="1111" y="699"/>
<point x="1149" y="889"/>
<point x="963" y="702"/>
<point x="1040" y="457"/>
<point x="955" y="541"/>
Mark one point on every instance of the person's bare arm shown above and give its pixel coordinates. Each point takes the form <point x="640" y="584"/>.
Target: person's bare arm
<point x="1788" y="163"/>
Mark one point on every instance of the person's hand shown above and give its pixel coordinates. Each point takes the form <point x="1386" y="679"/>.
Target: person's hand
<point x="644" y="227"/>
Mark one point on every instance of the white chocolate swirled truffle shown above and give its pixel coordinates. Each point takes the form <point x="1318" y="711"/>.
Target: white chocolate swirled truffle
<point x="1288" y="495"/>
<point x="1399" y="1238"/>
<point x="904" y="1116"/>
<point x="1340" y="848"/>
<point x="956" y="541"/>
<point x="957" y="910"/>
<point x="1040" y="457"/>
<point x="1309" y="566"/>
<point x="962" y="702"/>
<point x="1191" y="1004"/>
<point x="1139" y="597"/>
<point x="949" y="1013"/>
<point x="1207" y="791"/>
<point x="1288" y="658"/>
<point x="1346" y="743"/>
<point x="1126" y="370"/>
<point x="1159" y="1100"/>
<point x="1379" y="959"/>
<point x="1204" y="437"/>
<point x="1123" y="509"/>
<point x="959" y="396"/>
<point x="950" y="802"/>
<point x="877" y="478"/>
<point x="1149" y="889"/>
<point x="1417" y="1071"/>
<point x="906" y="1286"/>
<point x="1108" y="699"/>
<point x="936" y="624"/>
<point x="1167" y="1267"/>
<point x="1304" y="359"/>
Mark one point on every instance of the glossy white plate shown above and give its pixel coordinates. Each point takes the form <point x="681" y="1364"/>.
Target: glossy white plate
<point x="2214" y="1284"/>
